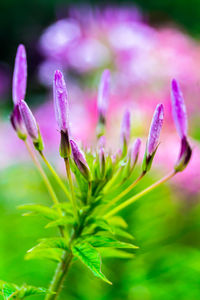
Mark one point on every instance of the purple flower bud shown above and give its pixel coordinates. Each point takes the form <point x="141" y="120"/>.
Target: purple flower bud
<point x="184" y="156"/>
<point x="20" y="75"/>
<point x="80" y="160"/>
<point x="134" y="152"/>
<point x="178" y="109"/>
<point x="125" y="128"/>
<point x="29" y="120"/>
<point x="154" y="132"/>
<point x="153" y="137"/>
<point x="60" y="101"/>
<point x="103" y="94"/>
<point x="17" y="123"/>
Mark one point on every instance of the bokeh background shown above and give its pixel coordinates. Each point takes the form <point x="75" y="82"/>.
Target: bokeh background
<point x="145" y="44"/>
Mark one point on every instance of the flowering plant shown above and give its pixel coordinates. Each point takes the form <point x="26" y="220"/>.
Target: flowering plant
<point x="86" y="216"/>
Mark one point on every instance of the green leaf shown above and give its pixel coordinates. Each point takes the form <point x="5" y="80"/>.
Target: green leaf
<point x="104" y="241"/>
<point x="122" y="233"/>
<point x="66" y="207"/>
<point x="115" y="253"/>
<point x="48" y="253"/>
<point x="12" y="291"/>
<point x="117" y="221"/>
<point x="97" y="224"/>
<point x="7" y="289"/>
<point x="43" y="210"/>
<point x="91" y="258"/>
<point x="57" y="242"/>
<point x="28" y="290"/>
<point x="63" y="221"/>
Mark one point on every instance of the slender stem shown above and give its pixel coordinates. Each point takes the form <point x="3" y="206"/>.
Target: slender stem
<point x="46" y="180"/>
<point x="89" y="191"/>
<point x="58" y="279"/>
<point x="128" y="189"/>
<point x="139" y="195"/>
<point x="69" y="176"/>
<point x="59" y="181"/>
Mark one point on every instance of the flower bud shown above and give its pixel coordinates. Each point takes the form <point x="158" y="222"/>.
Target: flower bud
<point x="102" y="101"/>
<point x="80" y="160"/>
<point x="153" y="137"/>
<point x="17" y="123"/>
<point x="19" y="75"/>
<point x="181" y="123"/>
<point x="184" y="156"/>
<point x="134" y="153"/>
<point x="31" y="125"/>
<point x="62" y="112"/>
<point x="178" y="109"/>
<point x="125" y="130"/>
<point x="103" y="93"/>
<point x="60" y="101"/>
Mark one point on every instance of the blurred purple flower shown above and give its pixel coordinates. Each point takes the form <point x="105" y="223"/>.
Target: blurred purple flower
<point x="178" y="109"/>
<point x="155" y="128"/>
<point x="103" y="94"/>
<point x="19" y="75"/>
<point x="60" y="102"/>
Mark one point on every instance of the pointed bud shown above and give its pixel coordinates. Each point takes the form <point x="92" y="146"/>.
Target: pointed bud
<point x="178" y="109"/>
<point x="125" y="130"/>
<point x="180" y="120"/>
<point x="19" y="75"/>
<point x="80" y="160"/>
<point x="60" y="101"/>
<point x="134" y="153"/>
<point x="153" y="137"/>
<point x="102" y="101"/>
<point x="102" y="161"/>
<point x="17" y="123"/>
<point x="103" y="93"/>
<point x="184" y="156"/>
<point x="31" y="125"/>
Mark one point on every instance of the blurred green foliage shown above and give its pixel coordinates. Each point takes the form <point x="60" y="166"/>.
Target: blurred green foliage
<point x="166" y="266"/>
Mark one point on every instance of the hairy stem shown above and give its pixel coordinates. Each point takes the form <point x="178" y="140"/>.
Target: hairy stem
<point x="69" y="176"/>
<point x="59" y="277"/>
<point x="57" y="178"/>
<point x="139" y="195"/>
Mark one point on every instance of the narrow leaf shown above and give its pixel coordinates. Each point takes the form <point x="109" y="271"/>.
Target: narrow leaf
<point x="104" y="241"/>
<point x="43" y="210"/>
<point x="40" y="253"/>
<point x="115" y="253"/>
<point x="57" y="242"/>
<point x="65" y="220"/>
<point x="91" y="258"/>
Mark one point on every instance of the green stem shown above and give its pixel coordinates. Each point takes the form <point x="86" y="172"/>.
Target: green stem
<point x="67" y="165"/>
<point x="59" y="277"/>
<point x="57" y="178"/>
<point x="128" y="189"/>
<point x="89" y="191"/>
<point x="139" y="195"/>
<point x="46" y="180"/>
